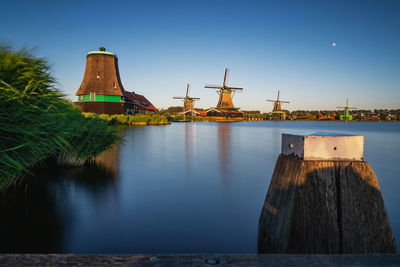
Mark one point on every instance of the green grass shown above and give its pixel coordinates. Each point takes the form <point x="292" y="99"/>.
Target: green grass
<point x="37" y="123"/>
<point x="137" y="119"/>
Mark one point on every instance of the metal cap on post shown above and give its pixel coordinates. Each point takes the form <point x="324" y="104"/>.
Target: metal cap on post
<point x="323" y="146"/>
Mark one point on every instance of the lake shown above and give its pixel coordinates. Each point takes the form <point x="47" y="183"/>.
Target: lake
<point x="182" y="188"/>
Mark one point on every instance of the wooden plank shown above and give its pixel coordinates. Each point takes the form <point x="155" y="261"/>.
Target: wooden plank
<point x="197" y="260"/>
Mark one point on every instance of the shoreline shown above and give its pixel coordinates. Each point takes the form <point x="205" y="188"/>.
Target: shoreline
<point x="235" y="120"/>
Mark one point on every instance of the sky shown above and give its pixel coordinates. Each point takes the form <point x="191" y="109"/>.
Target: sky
<point x="267" y="45"/>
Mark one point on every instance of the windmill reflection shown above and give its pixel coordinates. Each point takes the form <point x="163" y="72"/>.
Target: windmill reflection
<point x="109" y="160"/>
<point x="224" y="140"/>
<point x="189" y="139"/>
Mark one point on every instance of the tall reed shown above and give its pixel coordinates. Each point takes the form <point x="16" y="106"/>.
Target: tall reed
<point x="38" y="123"/>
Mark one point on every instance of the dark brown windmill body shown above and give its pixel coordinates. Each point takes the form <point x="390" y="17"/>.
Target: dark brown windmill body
<point x="225" y="107"/>
<point x="101" y="90"/>
<point x="277" y="113"/>
<point x="188" y="102"/>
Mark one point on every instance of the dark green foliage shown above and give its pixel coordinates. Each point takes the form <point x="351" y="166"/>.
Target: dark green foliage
<point x="37" y="123"/>
<point x="171" y="111"/>
<point x="253" y="115"/>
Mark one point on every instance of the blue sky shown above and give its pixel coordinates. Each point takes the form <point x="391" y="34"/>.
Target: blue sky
<point x="267" y="45"/>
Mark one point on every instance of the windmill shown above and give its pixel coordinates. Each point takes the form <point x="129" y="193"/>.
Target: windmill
<point x="346" y="115"/>
<point x="225" y="93"/>
<point x="188" y="102"/>
<point x="277" y="113"/>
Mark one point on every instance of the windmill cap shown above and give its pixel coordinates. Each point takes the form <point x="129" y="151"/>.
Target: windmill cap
<point x="102" y="51"/>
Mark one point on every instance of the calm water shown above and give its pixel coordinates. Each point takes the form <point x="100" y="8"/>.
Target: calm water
<point x="182" y="188"/>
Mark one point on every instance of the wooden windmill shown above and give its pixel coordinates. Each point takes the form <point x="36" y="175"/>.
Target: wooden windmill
<point x="101" y="90"/>
<point x="188" y="102"/>
<point x="346" y="115"/>
<point x="225" y="93"/>
<point x="277" y="113"/>
<point x="225" y="107"/>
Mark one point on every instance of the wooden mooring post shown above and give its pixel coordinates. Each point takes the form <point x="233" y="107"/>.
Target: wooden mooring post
<point x="323" y="198"/>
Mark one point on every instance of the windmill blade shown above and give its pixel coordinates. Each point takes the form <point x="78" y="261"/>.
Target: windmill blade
<point x="278" y="95"/>
<point x="226" y="73"/>
<point x="178" y="97"/>
<point x="340" y="107"/>
<point x="194" y="98"/>
<point x="284" y="101"/>
<point x="187" y="90"/>
<point x="269" y="100"/>
<point x="234" y="88"/>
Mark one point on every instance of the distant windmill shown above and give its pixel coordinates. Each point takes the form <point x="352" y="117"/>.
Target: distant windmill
<point x="277" y="112"/>
<point x="188" y="102"/>
<point x="225" y="93"/>
<point x="346" y="115"/>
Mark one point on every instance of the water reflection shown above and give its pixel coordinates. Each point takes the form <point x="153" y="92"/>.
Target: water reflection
<point x="37" y="214"/>
<point x="224" y="143"/>
<point x="109" y="161"/>
<point x="95" y="178"/>
<point x="140" y="199"/>
<point x="30" y="219"/>
<point x="189" y="137"/>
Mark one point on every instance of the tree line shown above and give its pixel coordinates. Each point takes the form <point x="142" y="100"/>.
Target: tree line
<point x="360" y="114"/>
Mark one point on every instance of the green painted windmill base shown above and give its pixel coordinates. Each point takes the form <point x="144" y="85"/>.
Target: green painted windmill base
<point x="346" y="117"/>
<point x="346" y="113"/>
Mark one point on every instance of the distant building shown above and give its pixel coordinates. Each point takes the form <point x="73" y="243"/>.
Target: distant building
<point x="102" y="91"/>
<point x="201" y="113"/>
<point x="136" y="103"/>
<point x="226" y="113"/>
<point x="328" y="116"/>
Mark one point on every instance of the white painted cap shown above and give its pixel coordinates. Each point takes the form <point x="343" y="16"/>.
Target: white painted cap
<point x="323" y="146"/>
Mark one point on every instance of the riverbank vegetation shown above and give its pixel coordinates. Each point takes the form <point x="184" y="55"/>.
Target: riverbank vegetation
<point x="181" y="118"/>
<point x="358" y="115"/>
<point x="175" y="114"/>
<point x="137" y="119"/>
<point x="312" y="115"/>
<point x="37" y="124"/>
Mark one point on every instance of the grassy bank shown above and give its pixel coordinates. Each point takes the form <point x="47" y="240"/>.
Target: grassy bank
<point x="137" y="119"/>
<point x="37" y="124"/>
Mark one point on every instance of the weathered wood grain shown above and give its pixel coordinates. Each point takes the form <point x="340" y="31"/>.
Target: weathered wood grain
<point x="197" y="260"/>
<point x="324" y="207"/>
